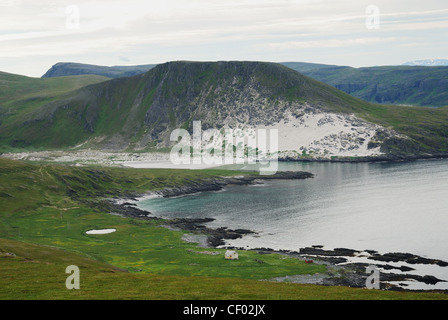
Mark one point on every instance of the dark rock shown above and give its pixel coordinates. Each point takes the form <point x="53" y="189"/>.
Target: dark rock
<point x="334" y="260"/>
<point x="408" y="258"/>
<point x="335" y="252"/>
<point x="345" y="251"/>
<point x="403" y="277"/>
<point x="401" y="268"/>
<point x="216" y="237"/>
<point x="217" y="184"/>
<point x="129" y="204"/>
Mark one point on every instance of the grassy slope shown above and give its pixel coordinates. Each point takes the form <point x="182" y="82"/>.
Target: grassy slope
<point x="16" y="87"/>
<point x="38" y="272"/>
<point x="21" y="98"/>
<point x="43" y="208"/>
<point x="413" y="85"/>
<point x="427" y="126"/>
<point x="122" y="106"/>
<point x="37" y="208"/>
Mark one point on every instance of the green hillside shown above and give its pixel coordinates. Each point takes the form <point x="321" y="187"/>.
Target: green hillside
<point x="400" y="85"/>
<point x="138" y="113"/>
<point x="15" y="88"/>
<point x="22" y="97"/>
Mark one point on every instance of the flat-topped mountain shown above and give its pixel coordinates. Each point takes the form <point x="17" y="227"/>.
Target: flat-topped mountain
<point x="63" y="69"/>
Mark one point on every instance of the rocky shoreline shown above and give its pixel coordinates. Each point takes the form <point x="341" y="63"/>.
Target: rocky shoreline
<point x="215" y="237"/>
<point x="218" y="183"/>
<point x="353" y="274"/>
<point x="341" y="271"/>
<point x="365" y="159"/>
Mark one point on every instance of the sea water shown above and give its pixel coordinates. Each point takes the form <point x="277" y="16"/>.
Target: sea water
<point x="387" y="207"/>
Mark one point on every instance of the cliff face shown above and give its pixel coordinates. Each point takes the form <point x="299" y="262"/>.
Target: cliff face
<point x="140" y="112"/>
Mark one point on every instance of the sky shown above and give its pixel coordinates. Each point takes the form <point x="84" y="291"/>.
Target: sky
<point x="36" y="34"/>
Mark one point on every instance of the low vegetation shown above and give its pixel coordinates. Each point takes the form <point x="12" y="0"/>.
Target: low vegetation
<point x="139" y="112"/>
<point x="46" y="211"/>
<point x="398" y="85"/>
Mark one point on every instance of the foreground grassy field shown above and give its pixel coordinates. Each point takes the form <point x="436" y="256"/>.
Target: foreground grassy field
<point x="38" y="272"/>
<point x="47" y="209"/>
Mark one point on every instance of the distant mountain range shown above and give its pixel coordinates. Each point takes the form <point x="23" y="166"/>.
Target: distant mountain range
<point x="427" y="62"/>
<point x="315" y="120"/>
<point x="62" y="69"/>
<point x="399" y="85"/>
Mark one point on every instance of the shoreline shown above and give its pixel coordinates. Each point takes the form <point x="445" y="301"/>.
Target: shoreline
<point x="162" y="160"/>
<point x="342" y="269"/>
<point x="218" y="184"/>
<point x="372" y="159"/>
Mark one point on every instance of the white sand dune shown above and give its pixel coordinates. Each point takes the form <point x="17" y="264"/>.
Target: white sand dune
<point x="325" y="134"/>
<point x="316" y="134"/>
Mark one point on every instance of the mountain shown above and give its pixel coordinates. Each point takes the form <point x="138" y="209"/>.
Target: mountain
<point x="71" y="69"/>
<point x="314" y="120"/>
<point x="427" y="62"/>
<point x="400" y="85"/>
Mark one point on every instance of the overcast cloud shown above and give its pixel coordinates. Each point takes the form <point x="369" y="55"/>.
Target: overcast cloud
<point x="35" y="34"/>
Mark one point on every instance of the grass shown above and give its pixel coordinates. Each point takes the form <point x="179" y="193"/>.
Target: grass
<point x="51" y="205"/>
<point x="428" y="127"/>
<point x="412" y="85"/>
<point x="19" y="88"/>
<point x="47" y="209"/>
<point x="38" y="209"/>
<point x="25" y="100"/>
<point x="38" y="272"/>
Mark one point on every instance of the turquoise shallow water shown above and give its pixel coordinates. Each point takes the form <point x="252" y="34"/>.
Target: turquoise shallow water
<point x="387" y="207"/>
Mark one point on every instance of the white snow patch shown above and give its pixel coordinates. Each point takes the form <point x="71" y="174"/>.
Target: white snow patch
<point x="102" y="231"/>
